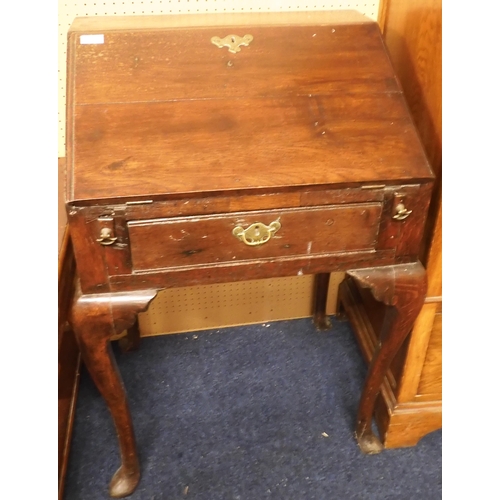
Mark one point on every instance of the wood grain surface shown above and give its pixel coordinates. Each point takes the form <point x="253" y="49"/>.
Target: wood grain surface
<point x="299" y="106"/>
<point x="303" y="112"/>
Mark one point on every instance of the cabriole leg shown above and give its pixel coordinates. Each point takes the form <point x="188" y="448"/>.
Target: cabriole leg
<point x="95" y="319"/>
<point x="402" y="288"/>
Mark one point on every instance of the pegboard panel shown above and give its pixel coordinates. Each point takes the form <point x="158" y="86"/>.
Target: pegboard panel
<point x="69" y="10"/>
<point x="228" y="304"/>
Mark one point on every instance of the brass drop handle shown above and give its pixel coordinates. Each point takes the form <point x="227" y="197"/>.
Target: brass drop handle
<point x="106" y="237"/>
<point x="401" y="212"/>
<point x="256" y="234"/>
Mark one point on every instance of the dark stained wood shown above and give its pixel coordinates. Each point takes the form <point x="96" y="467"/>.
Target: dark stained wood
<point x="68" y="359"/>
<point x="171" y="149"/>
<point x="90" y="259"/>
<point x="249" y="270"/>
<point x="95" y="319"/>
<point x="68" y="352"/>
<point x="119" y="148"/>
<point x="320" y="318"/>
<point x="402" y="288"/>
<point x="353" y="230"/>
<point x="195" y="67"/>
<point x="345" y="195"/>
<point x="404" y="236"/>
<point x="131" y="129"/>
<point x="400" y="423"/>
<point x="185" y="242"/>
<point x="68" y="380"/>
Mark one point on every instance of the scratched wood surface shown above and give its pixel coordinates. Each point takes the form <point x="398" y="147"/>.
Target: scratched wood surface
<point x="309" y="131"/>
<point x="326" y="99"/>
<point x="179" y="242"/>
<point x="215" y="12"/>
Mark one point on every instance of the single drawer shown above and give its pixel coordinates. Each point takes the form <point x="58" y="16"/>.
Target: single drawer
<point x="256" y="235"/>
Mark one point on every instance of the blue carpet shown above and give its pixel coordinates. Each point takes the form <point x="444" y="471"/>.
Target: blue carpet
<point x="247" y="413"/>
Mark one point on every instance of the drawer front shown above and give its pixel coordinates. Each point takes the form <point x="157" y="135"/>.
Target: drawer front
<point x="196" y="241"/>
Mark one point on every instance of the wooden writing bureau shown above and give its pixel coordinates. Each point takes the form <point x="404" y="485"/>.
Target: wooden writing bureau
<point x="204" y="149"/>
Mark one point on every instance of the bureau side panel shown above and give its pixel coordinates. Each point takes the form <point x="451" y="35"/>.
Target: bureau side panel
<point x="404" y="235"/>
<point x="91" y="262"/>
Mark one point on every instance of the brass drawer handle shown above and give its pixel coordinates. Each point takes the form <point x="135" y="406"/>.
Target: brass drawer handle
<point x="233" y="42"/>
<point x="256" y="234"/>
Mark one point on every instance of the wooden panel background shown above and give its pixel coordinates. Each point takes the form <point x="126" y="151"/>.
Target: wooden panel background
<point x="413" y="34"/>
<point x="430" y="383"/>
<point x="412" y="30"/>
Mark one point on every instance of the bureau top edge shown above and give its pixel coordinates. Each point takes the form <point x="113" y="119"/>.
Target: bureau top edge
<point x="92" y="24"/>
<point x="290" y="191"/>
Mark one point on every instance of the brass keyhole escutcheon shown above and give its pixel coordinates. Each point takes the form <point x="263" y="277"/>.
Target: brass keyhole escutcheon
<point x="257" y="233"/>
<point x="232" y="42"/>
